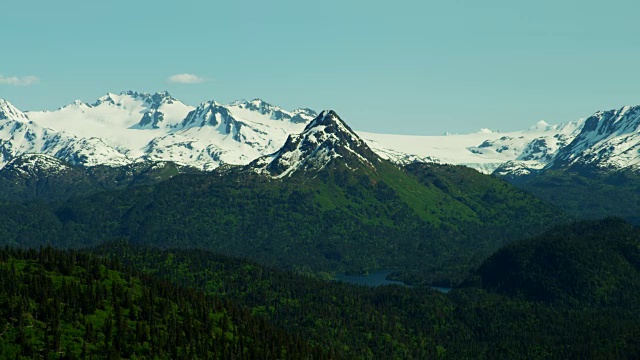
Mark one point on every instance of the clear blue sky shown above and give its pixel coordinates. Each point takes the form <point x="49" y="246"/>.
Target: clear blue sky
<point x="420" y="67"/>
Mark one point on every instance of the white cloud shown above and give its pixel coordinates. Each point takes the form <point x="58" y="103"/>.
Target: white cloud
<point x="19" y="81"/>
<point x="186" y="79"/>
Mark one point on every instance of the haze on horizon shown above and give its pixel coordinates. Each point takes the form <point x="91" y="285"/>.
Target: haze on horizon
<point x="410" y="67"/>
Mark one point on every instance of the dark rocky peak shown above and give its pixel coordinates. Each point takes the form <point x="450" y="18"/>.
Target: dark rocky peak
<point x="325" y="140"/>
<point x="208" y="113"/>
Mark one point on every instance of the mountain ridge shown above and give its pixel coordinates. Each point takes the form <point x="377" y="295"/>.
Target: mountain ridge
<point x="128" y="127"/>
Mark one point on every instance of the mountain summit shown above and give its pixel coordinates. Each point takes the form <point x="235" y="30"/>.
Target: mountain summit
<point x="10" y="112"/>
<point x="323" y="140"/>
<point x="609" y="140"/>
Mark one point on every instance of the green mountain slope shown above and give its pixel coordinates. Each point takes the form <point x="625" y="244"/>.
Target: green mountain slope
<point x="593" y="263"/>
<point x="391" y="322"/>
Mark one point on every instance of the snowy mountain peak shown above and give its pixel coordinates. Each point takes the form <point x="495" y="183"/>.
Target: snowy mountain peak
<point x="208" y="113"/>
<point x="323" y="140"/>
<point x="163" y="110"/>
<point x="607" y="140"/>
<point x="259" y="107"/>
<point x="129" y="97"/>
<point x="108" y="98"/>
<point x="328" y="122"/>
<point x="488" y="131"/>
<point x="142" y="95"/>
<point x="162" y="97"/>
<point x="78" y="103"/>
<point x="256" y="104"/>
<point x="10" y="112"/>
<point x="326" y="117"/>
<point x="260" y="102"/>
<point x="302" y="116"/>
<point x="540" y="126"/>
<point x="155" y="99"/>
<point x="305" y="111"/>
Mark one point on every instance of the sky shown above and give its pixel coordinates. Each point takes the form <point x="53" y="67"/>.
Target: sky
<point x="405" y="67"/>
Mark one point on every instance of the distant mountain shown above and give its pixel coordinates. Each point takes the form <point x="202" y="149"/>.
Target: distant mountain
<point x="609" y="140"/>
<point x="114" y="112"/>
<point x="595" y="174"/>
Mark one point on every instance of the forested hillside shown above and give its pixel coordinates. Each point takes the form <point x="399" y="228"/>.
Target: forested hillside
<point x="471" y="322"/>
<point x="386" y="322"/>
<point x="194" y="304"/>
<point x="586" y="263"/>
<point x="588" y="194"/>
<point x="67" y="305"/>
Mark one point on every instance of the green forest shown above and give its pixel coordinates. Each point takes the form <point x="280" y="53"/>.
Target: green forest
<point x="129" y="301"/>
<point x="68" y="305"/>
<point x="234" y="265"/>
<point x="588" y="194"/>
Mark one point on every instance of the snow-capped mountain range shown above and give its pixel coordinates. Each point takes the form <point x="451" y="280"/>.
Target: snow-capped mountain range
<point x="120" y="129"/>
<point x="131" y="127"/>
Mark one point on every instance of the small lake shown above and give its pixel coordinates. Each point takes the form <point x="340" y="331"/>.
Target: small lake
<point x="377" y="278"/>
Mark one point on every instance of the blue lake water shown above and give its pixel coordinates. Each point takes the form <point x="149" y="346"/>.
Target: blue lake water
<point x="376" y="278"/>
